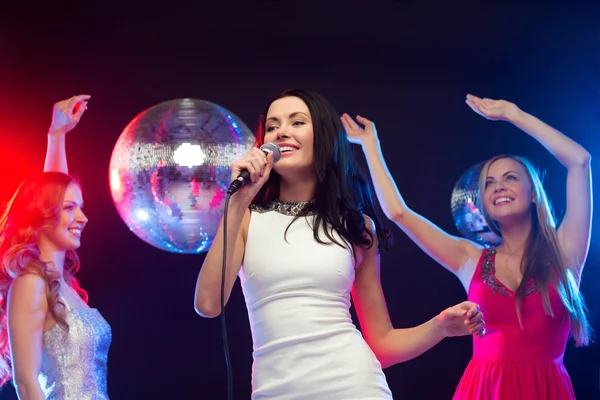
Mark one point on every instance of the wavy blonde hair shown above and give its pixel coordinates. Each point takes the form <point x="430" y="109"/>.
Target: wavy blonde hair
<point x="36" y="204"/>
<point x="543" y="260"/>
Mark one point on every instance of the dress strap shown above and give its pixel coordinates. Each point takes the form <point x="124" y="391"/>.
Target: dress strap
<point x="67" y="307"/>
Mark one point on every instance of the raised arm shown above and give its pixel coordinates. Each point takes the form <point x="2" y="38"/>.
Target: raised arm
<point x="456" y="254"/>
<point x="65" y="116"/>
<point x="575" y="229"/>
<point x="27" y="312"/>
<point x="392" y="346"/>
<point x="208" y="286"/>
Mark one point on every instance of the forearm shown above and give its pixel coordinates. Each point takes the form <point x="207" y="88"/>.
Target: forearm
<point x="568" y="152"/>
<point x="56" y="154"/>
<point x="400" y="345"/>
<point x="390" y="199"/>
<point x="29" y="390"/>
<point x="208" y="286"/>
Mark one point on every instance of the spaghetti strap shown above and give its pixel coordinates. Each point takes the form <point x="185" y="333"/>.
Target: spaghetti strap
<point x="67" y="307"/>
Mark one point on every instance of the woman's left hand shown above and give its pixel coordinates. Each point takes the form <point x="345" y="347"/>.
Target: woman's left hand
<point x="67" y="113"/>
<point x="462" y="319"/>
<point x="494" y="110"/>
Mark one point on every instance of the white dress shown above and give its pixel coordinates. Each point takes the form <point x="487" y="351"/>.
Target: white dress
<point x="298" y="298"/>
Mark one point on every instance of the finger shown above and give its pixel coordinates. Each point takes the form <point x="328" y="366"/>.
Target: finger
<point x="70" y="103"/>
<point x="81" y="97"/>
<point x="345" y="124"/>
<point x="267" y="170"/>
<point x="256" y="152"/>
<point x="472" y="309"/>
<point x="248" y="166"/>
<point x="349" y="123"/>
<point x="477" y="317"/>
<point x="450" y="312"/>
<point x="363" y="120"/>
<point x="80" y="108"/>
<point x="472" y="104"/>
<point x="475" y="108"/>
<point x="476" y="327"/>
<point x="258" y="165"/>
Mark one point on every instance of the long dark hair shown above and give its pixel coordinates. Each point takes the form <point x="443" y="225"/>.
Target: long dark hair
<point x="543" y="260"/>
<point x="343" y="196"/>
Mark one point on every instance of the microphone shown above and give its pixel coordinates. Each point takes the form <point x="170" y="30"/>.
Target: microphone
<point x="266" y="148"/>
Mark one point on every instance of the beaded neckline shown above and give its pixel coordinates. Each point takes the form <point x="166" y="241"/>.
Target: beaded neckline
<point x="489" y="276"/>
<point x="291" y="208"/>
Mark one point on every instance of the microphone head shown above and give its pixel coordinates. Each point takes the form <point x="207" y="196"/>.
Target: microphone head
<point x="271" y="147"/>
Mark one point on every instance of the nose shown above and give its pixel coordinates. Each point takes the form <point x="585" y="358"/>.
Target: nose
<point x="281" y="135"/>
<point x="499" y="186"/>
<point x="81" y="218"/>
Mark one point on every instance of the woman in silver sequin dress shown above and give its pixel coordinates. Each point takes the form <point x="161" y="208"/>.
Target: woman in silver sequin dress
<point x="52" y="344"/>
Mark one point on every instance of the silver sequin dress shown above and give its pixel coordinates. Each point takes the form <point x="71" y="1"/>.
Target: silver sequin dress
<point x="74" y="363"/>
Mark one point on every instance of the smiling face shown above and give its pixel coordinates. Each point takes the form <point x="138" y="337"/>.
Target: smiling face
<point x="66" y="233"/>
<point x="288" y="124"/>
<point x="508" y="190"/>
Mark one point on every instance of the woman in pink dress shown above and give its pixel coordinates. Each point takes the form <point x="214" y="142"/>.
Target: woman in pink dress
<point x="528" y="286"/>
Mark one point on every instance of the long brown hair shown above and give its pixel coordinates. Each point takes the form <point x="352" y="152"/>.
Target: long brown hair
<point x="543" y="260"/>
<point x="36" y="204"/>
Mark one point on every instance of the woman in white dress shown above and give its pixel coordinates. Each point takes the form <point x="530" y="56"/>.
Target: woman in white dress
<point x="304" y="239"/>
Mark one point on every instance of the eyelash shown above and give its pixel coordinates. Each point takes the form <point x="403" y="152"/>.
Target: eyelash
<point x="268" y="128"/>
<point x="508" y="177"/>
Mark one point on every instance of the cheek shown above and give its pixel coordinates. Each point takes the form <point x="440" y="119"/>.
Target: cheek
<point x="66" y="220"/>
<point x="522" y="191"/>
<point x="269" y="137"/>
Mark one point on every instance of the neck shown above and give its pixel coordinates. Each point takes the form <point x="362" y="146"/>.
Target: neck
<point x="515" y="235"/>
<point x="55" y="257"/>
<point x="297" y="189"/>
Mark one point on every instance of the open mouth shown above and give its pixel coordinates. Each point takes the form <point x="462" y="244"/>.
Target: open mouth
<point x="503" y="200"/>
<point x="287" y="149"/>
<point x="75" y="232"/>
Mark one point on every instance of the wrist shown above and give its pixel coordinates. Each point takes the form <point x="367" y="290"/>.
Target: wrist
<point x="371" y="143"/>
<point x="57" y="133"/>
<point x="438" y="328"/>
<point x="239" y="204"/>
<point x="515" y="115"/>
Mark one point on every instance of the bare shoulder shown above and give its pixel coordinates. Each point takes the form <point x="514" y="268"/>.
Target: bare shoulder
<point x="28" y="289"/>
<point x="473" y="250"/>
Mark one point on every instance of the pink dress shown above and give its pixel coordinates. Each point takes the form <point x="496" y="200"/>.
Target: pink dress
<point x="509" y="362"/>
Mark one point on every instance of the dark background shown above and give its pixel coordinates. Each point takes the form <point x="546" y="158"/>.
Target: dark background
<point x="407" y="65"/>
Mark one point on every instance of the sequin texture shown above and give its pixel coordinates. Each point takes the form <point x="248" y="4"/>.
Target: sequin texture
<point x="489" y="277"/>
<point x="284" y="207"/>
<point x="74" y="362"/>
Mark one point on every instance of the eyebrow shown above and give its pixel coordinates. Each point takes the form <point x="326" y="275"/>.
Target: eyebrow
<point x="73" y="202"/>
<point x="504" y="174"/>
<point x="292" y="115"/>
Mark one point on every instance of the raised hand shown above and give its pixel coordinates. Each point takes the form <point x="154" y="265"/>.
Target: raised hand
<point x="67" y="113"/>
<point x="356" y="133"/>
<point x="462" y="319"/>
<point x="494" y="110"/>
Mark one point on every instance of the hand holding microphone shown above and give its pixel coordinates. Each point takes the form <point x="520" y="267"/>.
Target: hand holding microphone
<point x="254" y="168"/>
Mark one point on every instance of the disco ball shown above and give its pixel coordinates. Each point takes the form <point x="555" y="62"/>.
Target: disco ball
<point x="467" y="209"/>
<point x="170" y="170"/>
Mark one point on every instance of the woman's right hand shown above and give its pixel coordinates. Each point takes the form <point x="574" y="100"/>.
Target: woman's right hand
<point x="259" y="166"/>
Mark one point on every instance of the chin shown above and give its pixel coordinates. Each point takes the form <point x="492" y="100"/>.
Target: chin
<point x="72" y="245"/>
